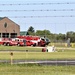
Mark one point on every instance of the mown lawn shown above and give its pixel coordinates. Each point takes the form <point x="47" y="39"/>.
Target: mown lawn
<point x="6" y="69"/>
<point x="35" y="69"/>
<point x="61" y="53"/>
<point x="38" y="55"/>
<point x="19" y="48"/>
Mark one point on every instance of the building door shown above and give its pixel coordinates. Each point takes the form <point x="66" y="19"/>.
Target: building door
<point x="5" y="35"/>
<point x="13" y="35"/>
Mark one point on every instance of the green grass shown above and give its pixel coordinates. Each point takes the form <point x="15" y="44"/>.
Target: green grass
<point x="38" y="55"/>
<point x="34" y="48"/>
<point x="35" y="69"/>
<point x="19" y="48"/>
<point x="62" y="53"/>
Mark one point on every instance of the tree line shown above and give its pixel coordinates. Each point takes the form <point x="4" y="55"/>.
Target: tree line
<point x="52" y="36"/>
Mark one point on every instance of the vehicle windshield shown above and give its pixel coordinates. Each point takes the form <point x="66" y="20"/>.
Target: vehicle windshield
<point x="47" y="40"/>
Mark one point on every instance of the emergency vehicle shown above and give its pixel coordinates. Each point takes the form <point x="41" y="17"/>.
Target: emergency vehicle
<point x="15" y="42"/>
<point x="7" y="42"/>
<point x="36" y="40"/>
<point x="25" y="41"/>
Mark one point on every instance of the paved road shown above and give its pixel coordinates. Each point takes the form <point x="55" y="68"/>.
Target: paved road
<point x="67" y="62"/>
<point x="45" y="62"/>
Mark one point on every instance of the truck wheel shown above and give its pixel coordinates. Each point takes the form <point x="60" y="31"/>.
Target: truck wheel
<point x="18" y="44"/>
<point x="34" y="45"/>
<point x="4" y="44"/>
<point x="8" y="44"/>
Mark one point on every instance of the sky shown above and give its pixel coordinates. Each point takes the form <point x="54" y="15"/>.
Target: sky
<point x="57" y="17"/>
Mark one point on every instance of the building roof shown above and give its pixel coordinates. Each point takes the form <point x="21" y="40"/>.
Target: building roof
<point x="2" y="18"/>
<point x="23" y="33"/>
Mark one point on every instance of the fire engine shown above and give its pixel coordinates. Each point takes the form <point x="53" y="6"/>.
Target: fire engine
<point x="7" y="42"/>
<point x="16" y="42"/>
<point x="36" y="40"/>
<point x="25" y="41"/>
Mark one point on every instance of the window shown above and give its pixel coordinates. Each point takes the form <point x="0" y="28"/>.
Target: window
<point x="5" y="25"/>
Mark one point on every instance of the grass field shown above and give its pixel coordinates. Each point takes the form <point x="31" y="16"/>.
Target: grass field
<point x="61" y="53"/>
<point x="19" y="48"/>
<point x="35" y="69"/>
<point x="38" y="55"/>
<point x="6" y="69"/>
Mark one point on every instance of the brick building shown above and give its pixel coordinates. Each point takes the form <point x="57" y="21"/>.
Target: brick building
<point x="8" y="28"/>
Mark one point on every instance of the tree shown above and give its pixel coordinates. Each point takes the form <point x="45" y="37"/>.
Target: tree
<point x="71" y="35"/>
<point x="60" y="37"/>
<point x="31" y="31"/>
<point x="42" y="32"/>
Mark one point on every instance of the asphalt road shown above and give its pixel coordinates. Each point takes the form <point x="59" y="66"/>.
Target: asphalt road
<point x="44" y="62"/>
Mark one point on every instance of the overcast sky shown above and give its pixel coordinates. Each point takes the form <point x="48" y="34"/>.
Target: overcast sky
<point x="59" y="18"/>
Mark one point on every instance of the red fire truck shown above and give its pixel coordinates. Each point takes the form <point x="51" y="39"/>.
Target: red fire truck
<point x="15" y="42"/>
<point x="25" y="41"/>
<point x="8" y="42"/>
<point x="36" y="40"/>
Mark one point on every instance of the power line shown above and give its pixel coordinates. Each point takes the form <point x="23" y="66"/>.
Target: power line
<point x="37" y="10"/>
<point x="58" y="3"/>
<point x="45" y="23"/>
<point x="40" y="16"/>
